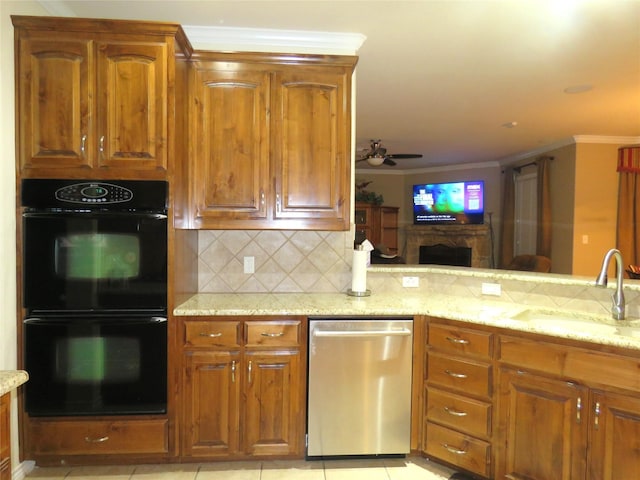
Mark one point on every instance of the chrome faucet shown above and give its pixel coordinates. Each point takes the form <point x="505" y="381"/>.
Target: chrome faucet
<point x="617" y="307"/>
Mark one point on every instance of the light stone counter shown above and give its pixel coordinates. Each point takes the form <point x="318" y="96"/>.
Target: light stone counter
<point x="502" y="314"/>
<point x="11" y="379"/>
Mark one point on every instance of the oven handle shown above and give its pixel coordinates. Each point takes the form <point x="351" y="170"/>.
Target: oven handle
<point x="80" y="320"/>
<point x="92" y="213"/>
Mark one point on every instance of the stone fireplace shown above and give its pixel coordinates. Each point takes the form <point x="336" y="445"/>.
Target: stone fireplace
<point x="475" y="237"/>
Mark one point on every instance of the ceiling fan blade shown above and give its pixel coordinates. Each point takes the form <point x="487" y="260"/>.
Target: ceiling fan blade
<point x="388" y="161"/>
<point x="405" y="155"/>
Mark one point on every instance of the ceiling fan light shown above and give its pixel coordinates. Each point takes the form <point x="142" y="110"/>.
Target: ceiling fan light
<point x="376" y="160"/>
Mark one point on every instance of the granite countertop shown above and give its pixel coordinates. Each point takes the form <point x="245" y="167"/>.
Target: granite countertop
<point x="11" y="379"/>
<point x="558" y="323"/>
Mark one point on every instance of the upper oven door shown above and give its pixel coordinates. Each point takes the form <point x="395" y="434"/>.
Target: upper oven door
<point x="94" y="261"/>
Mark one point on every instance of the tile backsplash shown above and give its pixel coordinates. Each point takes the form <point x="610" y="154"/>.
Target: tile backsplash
<point x="284" y="261"/>
<point x="320" y="262"/>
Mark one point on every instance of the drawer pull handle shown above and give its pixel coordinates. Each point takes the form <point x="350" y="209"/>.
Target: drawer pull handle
<point x="272" y="334"/>
<point x="210" y="335"/>
<point x="454" y="412"/>
<point x="233" y="371"/>
<point x="454" y="374"/>
<point x="96" y="440"/>
<point x="458" y="341"/>
<point x="457" y="451"/>
<point x="250" y="369"/>
<point x="596" y="419"/>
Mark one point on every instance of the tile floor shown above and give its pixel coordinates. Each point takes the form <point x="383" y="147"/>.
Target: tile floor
<point x="410" y="468"/>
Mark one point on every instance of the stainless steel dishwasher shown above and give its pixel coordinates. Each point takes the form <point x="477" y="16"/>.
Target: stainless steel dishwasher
<point x="359" y="392"/>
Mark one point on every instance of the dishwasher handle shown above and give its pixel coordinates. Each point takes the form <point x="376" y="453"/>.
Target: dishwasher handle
<point x="404" y="332"/>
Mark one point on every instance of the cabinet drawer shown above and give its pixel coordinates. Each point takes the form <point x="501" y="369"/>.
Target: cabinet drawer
<point x="461" y="413"/>
<point x="463" y="375"/>
<point x="460" y="340"/>
<point x="212" y="334"/>
<point x="273" y="333"/>
<point x="458" y="449"/>
<point x="99" y="437"/>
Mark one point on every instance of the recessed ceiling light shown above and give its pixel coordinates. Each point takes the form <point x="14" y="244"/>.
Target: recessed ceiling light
<point x="510" y="124"/>
<point x="578" y="89"/>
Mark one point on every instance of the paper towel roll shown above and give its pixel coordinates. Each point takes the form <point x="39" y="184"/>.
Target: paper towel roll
<point x="359" y="271"/>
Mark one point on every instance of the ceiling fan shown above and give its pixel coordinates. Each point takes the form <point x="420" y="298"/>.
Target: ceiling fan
<point x="377" y="155"/>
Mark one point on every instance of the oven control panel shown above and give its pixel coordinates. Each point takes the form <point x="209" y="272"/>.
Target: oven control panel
<point x="42" y="194"/>
<point x="97" y="193"/>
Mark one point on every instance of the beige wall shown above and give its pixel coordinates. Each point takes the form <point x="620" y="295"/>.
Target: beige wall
<point x="596" y="200"/>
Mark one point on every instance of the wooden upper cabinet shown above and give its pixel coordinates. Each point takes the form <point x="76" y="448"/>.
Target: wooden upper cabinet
<point x="131" y="114"/>
<point x="55" y="86"/>
<point x="95" y="98"/>
<point x="230" y="125"/>
<point x="271" y="141"/>
<point x="311" y="147"/>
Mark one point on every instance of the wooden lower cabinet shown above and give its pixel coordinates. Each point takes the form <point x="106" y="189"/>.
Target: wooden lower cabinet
<point x="5" y="437"/>
<point x="567" y="412"/>
<point x="614" y="436"/>
<point x="81" y="437"/>
<point x="459" y="397"/>
<point x="244" y="388"/>
<point x="545" y="424"/>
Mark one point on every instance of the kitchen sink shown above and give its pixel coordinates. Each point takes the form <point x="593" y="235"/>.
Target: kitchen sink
<point x="578" y="324"/>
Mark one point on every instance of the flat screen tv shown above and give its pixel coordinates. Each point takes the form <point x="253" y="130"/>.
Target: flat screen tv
<point x="452" y="203"/>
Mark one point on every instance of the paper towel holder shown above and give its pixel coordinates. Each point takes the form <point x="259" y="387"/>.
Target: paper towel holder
<point x="351" y="293"/>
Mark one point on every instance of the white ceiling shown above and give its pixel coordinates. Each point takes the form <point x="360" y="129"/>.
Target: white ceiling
<point x="441" y="78"/>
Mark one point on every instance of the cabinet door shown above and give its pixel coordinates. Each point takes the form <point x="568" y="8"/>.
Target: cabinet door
<point x="131" y="126"/>
<point x="311" y="145"/>
<point x="229" y="121"/>
<point x="211" y="400"/>
<point x="54" y="91"/>
<point x="615" y="437"/>
<point x="273" y="407"/>
<point x="545" y="424"/>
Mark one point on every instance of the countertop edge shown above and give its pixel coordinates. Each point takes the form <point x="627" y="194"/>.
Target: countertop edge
<point x="12" y="379"/>
<point x="490" y="313"/>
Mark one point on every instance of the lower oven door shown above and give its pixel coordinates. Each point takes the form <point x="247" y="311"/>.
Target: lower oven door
<point x="95" y="365"/>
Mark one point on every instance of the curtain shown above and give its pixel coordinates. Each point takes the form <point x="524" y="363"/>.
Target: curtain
<point x="628" y="224"/>
<point x="508" y="217"/>
<point x="543" y="226"/>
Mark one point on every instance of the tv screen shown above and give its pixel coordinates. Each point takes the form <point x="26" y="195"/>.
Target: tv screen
<point x="454" y="203"/>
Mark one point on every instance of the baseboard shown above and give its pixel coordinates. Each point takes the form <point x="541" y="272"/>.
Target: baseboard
<point x="21" y="471"/>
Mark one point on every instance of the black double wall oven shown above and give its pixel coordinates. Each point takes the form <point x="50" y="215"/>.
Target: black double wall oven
<point x="95" y="296"/>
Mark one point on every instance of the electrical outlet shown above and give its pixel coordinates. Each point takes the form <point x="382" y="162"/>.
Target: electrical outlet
<point x="491" y="289"/>
<point x="411" y="282"/>
<point x="249" y="264"/>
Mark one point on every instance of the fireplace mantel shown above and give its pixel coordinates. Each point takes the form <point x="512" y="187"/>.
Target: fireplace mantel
<point x="477" y="237"/>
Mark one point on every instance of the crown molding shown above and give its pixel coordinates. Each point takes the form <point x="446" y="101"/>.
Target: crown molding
<point x="264" y="39"/>
<point x="239" y="39"/>
<point x="620" y="140"/>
